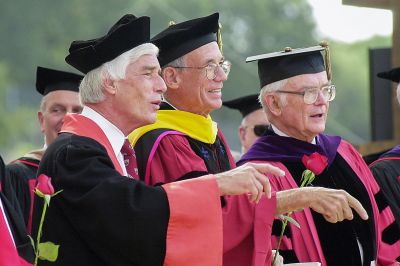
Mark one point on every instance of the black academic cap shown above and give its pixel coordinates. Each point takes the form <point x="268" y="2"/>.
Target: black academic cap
<point x="126" y="34"/>
<point x="288" y="63"/>
<point x="48" y="80"/>
<point x="182" y="38"/>
<point x="245" y="105"/>
<point x="393" y="75"/>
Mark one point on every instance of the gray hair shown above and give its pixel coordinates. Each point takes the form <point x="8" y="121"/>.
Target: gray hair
<point x="179" y="62"/>
<point x="398" y="93"/>
<point x="91" y="87"/>
<point x="277" y="85"/>
<point x="42" y="104"/>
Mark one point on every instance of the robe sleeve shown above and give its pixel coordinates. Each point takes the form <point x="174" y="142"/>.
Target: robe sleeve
<point x="247" y="231"/>
<point x="202" y="226"/>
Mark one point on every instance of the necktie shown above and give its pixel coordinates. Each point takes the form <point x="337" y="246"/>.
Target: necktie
<point x="130" y="159"/>
<point x="8" y="252"/>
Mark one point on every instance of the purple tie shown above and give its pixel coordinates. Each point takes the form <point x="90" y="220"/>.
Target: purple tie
<point x="130" y="159"/>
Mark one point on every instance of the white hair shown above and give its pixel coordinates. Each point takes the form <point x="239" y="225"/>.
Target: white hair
<point x="91" y="89"/>
<point x="275" y="86"/>
<point x="398" y="93"/>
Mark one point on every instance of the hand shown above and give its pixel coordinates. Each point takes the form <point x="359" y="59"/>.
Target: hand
<point x="249" y="178"/>
<point x="335" y="205"/>
<point x="279" y="259"/>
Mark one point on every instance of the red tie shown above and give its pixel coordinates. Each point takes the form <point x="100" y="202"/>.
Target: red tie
<point x="130" y="159"/>
<point x="8" y="252"/>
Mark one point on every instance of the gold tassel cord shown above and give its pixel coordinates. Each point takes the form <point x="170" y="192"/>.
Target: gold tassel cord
<point x="219" y="38"/>
<point x="328" y="66"/>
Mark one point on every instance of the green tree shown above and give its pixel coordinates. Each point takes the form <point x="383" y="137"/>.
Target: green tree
<point x="39" y="33"/>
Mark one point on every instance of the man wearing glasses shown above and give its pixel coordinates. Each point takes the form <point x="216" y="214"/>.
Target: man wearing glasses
<point x="185" y="142"/>
<point x="296" y="91"/>
<point x="254" y="122"/>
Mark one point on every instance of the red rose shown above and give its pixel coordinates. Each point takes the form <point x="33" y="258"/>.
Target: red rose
<point x="316" y="162"/>
<point x="44" y="185"/>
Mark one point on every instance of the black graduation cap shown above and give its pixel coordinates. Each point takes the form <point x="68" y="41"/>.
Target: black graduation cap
<point x="245" y="105"/>
<point x="48" y="80"/>
<point x="182" y="38"/>
<point x="126" y="34"/>
<point x="290" y="62"/>
<point x="393" y="75"/>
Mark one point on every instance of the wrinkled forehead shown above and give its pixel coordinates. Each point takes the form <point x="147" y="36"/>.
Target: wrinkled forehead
<point x="205" y="54"/>
<point x="308" y="81"/>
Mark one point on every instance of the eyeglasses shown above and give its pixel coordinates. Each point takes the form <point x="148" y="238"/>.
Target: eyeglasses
<point x="259" y="130"/>
<point x="310" y="95"/>
<point x="212" y="68"/>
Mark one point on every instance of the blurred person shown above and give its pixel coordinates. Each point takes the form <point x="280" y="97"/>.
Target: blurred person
<point x="296" y="92"/>
<point x="15" y="246"/>
<point x="60" y="97"/>
<point x="186" y="143"/>
<point x="386" y="169"/>
<point x="104" y="216"/>
<point x="254" y="122"/>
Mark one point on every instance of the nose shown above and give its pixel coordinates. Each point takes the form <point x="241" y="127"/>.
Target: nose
<point x="321" y="99"/>
<point x="160" y="86"/>
<point x="221" y="76"/>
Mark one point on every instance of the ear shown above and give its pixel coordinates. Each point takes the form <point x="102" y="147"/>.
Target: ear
<point x="171" y="77"/>
<point x="242" y="134"/>
<point x="273" y="104"/>
<point x="109" y="86"/>
<point x="41" y="120"/>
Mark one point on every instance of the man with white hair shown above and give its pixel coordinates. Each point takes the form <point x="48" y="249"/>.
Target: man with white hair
<point x="103" y="216"/>
<point x="296" y="92"/>
<point x="386" y="169"/>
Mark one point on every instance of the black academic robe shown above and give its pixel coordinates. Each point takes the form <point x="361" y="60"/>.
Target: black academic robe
<point x="317" y="239"/>
<point x="100" y="217"/>
<point x="15" y="221"/>
<point x="22" y="177"/>
<point x="386" y="171"/>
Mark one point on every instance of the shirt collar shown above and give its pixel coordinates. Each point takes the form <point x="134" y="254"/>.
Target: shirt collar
<point x="164" y="100"/>
<point x="280" y="133"/>
<point x="113" y="134"/>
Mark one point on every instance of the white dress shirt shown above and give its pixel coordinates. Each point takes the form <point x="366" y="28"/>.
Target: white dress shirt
<point x="113" y="134"/>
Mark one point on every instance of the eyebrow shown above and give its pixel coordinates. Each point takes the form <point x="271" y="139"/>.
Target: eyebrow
<point x="211" y="60"/>
<point x="149" y="68"/>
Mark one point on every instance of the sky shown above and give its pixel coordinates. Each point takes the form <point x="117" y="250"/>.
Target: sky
<point x="350" y="23"/>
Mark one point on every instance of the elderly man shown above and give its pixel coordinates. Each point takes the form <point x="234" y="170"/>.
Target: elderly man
<point x="104" y="217"/>
<point x="296" y="92"/>
<point x="60" y="96"/>
<point x="254" y="122"/>
<point x="185" y="143"/>
<point x="386" y="169"/>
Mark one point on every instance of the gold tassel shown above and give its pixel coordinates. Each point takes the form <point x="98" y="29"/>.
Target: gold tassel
<point x="328" y="66"/>
<point x="219" y="37"/>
